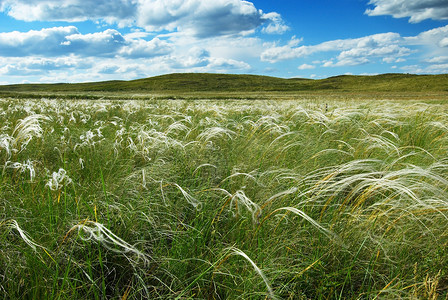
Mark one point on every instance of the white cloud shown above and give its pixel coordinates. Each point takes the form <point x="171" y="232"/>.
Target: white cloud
<point x="197" y="17"/>
<point x="366" y="74"/>
<point x="140" y="48"/>
<point x="199" y="60"/>
<point x="13" y="70"/>
<point x="391" y="60"/>
<point x="166" y="36"/>
<point x="62" y="41"/>
<point x="306" y="67"/>
<point x="443" y="42"/>
<point x="276" y="26"/>
<point x="435" y="37"/>
<point x="34" y="42"/>
<point x="349" y="61"/>
<point x="105" y="43"/>
<point x="362" y="55"/>
<point x="417" y="10"/>
<point x="431" y="69"/>
<point x="438" y="60"/>
<point x="137" y="58"/>
<point x="351" y="51"/>
<point x="75" y="69"/>
<point x="240" y="48"/>
<point x="434" y="41"/>
<point x="200" y="18"/>
<point x="108" y="69"/>
<point x="25" y="66"/>
<point x="111" y="11"/>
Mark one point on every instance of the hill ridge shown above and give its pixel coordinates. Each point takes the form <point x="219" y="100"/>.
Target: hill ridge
<point x="217" y="82"/>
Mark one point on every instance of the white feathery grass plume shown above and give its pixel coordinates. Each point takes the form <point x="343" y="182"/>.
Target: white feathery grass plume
<point x="6" y="143"/>
<point x="90" y="138"/>
<point x="177" y="126"/>
<point x="281" y="194"/>
<point x="58" y="180"/>
<point x="81" y="162"/>
<point x="149" y="140"/>
<point x="240" y="198"/>
<point x="26" y="129"/>
<point x="269" y="124"/>
<point x="380" y="142"/>
<point x="12" y="224"/>
<point x="22" y="167"/>
<point x="119" y="138"/>
<point x="385" y="121"/>
<point x="246" y="175"/>
<point x="72" y="118"/>
<point x="300" y="111"/>
<point x="202" y="166"/>
<point x="190" y="199"/>
<point x="99" y="233"/>
<point x="215" y="132"/>
<point x="279" y="175"/>
<point x="437" y="124"/>
<point x="282" y="136"/>
<point x="236" y="251"/>
<point x="316" y="117"/>
<point x="333" y="151"/>
<point x="346" y="115"/>
<point x="300" y="213"/>
<point x="358" y="181"/>
<point x="144" y="179"/>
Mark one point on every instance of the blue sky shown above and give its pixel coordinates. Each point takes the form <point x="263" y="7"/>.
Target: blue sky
<point x="93" y="40"/>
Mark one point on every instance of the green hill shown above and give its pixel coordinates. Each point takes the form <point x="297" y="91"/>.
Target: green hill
<point x="188" y="83"/>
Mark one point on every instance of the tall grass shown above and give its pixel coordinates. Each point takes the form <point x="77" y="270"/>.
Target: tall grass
<point x="164" y="199"/>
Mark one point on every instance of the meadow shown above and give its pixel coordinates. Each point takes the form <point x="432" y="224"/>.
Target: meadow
<point x="210" y="199"/>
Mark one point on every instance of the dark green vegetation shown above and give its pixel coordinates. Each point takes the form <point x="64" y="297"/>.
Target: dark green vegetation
<point x="242" y="86"/>
<point x="239" y="199"/>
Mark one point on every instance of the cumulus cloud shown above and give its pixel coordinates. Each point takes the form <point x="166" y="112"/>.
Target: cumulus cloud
<point x="104" y="43"/>
<point x="363" y="55"/>
<point x="386" y="48"/>
<point x="48" y="64"/>
<point x="197" y="17"/>
<point x="306" y="67"/>
<point x="200" y="18"/>
<point x="443" y="42"/>
<point x="437" y="37"/>
<point x="351" y="51"/>
<point x="26" y="66"/>
<point x="111" y="11"/>
<point x="34" y="42"/>
<point x="62" y="41"/>
<point x="349" y="61"/>
<point x="140" y="48"/>
<point x="431" y="69"/>
<point x="438" y="60"/>
<point x="131" y="61"/>
<point x="13" y="70"/>
<point x="276" y="26"/>
<point x="417" y="10"/>
<point x="199" y="60"/>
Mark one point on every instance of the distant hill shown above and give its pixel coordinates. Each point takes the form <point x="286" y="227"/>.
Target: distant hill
<point x="220" y="83"/>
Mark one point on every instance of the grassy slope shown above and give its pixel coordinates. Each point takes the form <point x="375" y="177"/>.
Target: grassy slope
<point x="375" y="173"/>
<point x="219" y="83"/>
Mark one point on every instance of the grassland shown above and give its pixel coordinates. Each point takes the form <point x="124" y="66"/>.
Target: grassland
<point x="225" y="86"/>
<point x="176" y="199"/>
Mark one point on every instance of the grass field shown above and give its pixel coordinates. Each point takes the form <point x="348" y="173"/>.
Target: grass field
<point x="210" y="199"/>
<point x="225" y="86"/>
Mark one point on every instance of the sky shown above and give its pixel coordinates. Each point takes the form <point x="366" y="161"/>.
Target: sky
<point x="94" y="40"/>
